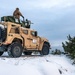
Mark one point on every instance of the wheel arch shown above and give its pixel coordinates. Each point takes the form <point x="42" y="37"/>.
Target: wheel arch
<point x="47" y="43"/>
<point x="17" y="40"/>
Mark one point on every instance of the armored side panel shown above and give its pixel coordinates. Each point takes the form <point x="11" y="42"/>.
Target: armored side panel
<point x="8" y="18"/>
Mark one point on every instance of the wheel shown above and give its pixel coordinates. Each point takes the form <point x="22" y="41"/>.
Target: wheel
<point x="15" y="50"/>
<point x="45" y="50"/>
<point x="27" y="53"/>
<point x="1" y="53"/>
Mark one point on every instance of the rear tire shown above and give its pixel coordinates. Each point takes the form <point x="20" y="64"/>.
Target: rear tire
<point x="45" y="50"/>
<point x="15" y="49"/>
<point x="1" y="53"/>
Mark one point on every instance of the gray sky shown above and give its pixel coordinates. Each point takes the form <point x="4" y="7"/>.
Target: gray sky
<point x="53" y="19"/>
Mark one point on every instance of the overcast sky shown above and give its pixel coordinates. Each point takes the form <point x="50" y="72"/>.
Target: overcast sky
<point x="53" y="19"/>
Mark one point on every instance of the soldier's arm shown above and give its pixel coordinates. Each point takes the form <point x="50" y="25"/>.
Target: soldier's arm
<point x="21" y="14"/>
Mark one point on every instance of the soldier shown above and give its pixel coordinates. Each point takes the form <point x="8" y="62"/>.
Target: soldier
<point x="17" y="14"/>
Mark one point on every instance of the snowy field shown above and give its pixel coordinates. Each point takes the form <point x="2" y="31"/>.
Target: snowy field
<point x="36" y="65"/>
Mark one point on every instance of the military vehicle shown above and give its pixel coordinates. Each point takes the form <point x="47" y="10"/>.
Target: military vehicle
<point x="16" y="38"/>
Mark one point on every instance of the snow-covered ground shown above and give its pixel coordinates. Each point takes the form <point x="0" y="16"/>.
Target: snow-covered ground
<point x="37" y="65"/>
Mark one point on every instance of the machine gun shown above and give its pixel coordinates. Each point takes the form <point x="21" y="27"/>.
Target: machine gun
<point x="27" y="23"/>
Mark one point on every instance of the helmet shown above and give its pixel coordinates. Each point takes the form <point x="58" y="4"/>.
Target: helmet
<point x="17" y="8"/>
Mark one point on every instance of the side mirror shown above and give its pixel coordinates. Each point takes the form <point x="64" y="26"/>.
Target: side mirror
<point x="35" y="33"/>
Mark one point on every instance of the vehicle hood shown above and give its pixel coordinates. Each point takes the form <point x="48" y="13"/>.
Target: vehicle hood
<point x="44" y="39"/>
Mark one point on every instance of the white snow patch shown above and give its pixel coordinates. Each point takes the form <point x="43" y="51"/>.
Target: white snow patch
<point x="35" y="65"/>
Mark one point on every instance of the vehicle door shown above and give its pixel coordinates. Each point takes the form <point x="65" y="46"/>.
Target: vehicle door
<point x="34" y="40"/>
<point x="25" y="35"/>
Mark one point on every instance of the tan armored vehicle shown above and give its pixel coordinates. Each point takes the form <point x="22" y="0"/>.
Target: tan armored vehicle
<point x="15" y="38"/>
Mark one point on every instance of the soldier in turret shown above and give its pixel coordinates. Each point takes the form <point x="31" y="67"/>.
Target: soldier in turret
<point x="17" y="14"/>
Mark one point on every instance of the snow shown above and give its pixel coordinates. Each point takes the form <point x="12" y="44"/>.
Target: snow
<point x="37" y="65"/>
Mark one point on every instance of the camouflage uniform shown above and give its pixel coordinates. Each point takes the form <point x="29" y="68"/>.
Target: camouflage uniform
<point x="17" y="14"/>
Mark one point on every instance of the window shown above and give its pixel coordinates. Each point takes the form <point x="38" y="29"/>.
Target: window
<point x="25" y="31"/>
<point x="34" y="33"/>
<point x="14" y="30"/>
<point x="17" y="30"/>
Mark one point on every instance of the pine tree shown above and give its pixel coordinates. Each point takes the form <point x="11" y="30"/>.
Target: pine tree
<point x="69" y="46"/>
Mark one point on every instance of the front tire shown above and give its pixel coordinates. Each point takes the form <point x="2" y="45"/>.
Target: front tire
<point x="45" y="50"/>
<point x="15" y="50"/>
